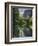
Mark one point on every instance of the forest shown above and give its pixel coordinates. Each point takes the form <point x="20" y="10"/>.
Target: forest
<point x="22" y="22"/>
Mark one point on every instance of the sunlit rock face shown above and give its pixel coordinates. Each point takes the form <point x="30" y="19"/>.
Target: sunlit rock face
<point x="27" y="14"/>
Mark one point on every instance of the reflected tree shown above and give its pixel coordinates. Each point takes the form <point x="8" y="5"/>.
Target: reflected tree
<point x="22" y="25"/>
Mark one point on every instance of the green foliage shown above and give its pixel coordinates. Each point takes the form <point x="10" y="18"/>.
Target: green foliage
<point x="21" y="22"/>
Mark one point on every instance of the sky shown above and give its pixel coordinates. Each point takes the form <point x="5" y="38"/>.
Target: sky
<point x="21" y="10"/>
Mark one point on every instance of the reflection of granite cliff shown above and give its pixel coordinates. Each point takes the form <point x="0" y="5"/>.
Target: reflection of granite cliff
<point x="27" y="13"/>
